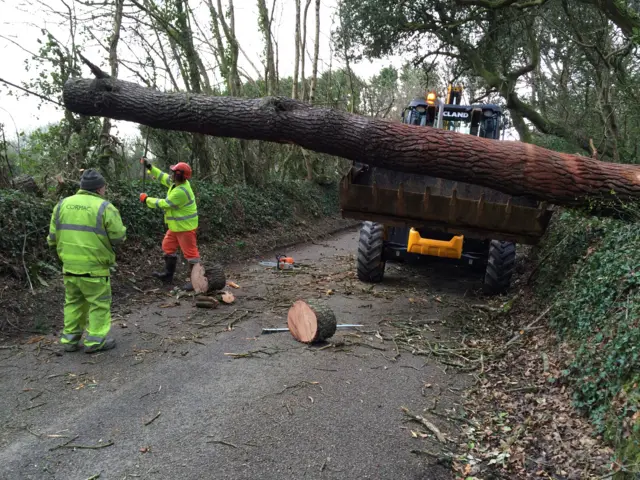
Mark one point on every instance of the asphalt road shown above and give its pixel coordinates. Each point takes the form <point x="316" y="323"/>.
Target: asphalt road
<point x="174" y="406"/>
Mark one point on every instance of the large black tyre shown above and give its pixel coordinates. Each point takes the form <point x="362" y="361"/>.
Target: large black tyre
<point x="370" y="263"/>
<point x="500" y="267"/>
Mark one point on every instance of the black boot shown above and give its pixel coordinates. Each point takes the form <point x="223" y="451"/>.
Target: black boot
<point x="187" y="287"/>
<point x="169" y="269"/>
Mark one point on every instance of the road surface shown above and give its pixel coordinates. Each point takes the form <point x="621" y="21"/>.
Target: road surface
<point x="170" y="403"/>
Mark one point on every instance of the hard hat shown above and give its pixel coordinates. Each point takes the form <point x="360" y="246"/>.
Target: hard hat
<point x="182" y="167"/>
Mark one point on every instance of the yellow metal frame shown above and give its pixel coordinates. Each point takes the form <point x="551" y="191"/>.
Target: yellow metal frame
<point x="435" y="248"/>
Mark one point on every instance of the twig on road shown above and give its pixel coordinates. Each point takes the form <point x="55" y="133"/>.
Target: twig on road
<point x="64" y="444"/>
<point x="34" y="406"/>
<point x="236" y="320"/>
<point x="435" y="430"/>
<point x="152" y="420"/>
<point x="151" y="393"/>
<point x="251" y="353"/>
<point x="88" y="447"/>
<point x="294" y="388"/>
<point x="222" y="442"/>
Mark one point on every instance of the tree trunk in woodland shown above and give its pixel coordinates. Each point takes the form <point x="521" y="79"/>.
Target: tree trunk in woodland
<point x="294" y="89"/>
<point x="192" y="77"/>
<point x="511" y="167"/>
<point x="106" y="151"/>
<point x="316" y="51"/>
<point x="303" y="52"/>
<point x="227" y="57"/>
<point x="264" y="22"/>
<point x="311" y="321"/>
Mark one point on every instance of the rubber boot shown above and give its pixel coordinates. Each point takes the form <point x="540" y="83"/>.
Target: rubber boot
<point x="169" y="269"/>
<point x="187" y="287"/>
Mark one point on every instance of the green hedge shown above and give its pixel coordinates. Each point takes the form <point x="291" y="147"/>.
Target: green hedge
<point x="592" y="271"/>
<point x="24" y="215"/>
<point x="225" y="211"/>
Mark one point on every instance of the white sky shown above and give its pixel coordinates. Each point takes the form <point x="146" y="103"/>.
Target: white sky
<point x="22" y="23"/>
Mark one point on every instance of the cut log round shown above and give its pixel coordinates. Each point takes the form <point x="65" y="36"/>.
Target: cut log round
<point x="198" y="279"/>
<point x="216" y="277"/>
<point x="311" y="321"/>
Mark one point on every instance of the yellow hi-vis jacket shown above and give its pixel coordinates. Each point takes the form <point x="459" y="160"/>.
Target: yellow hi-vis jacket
<point x="83" y="229"/>
<point x="180" y="209"/>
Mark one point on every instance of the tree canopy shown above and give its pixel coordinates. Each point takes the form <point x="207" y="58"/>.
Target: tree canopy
<point x="568" y="69"/>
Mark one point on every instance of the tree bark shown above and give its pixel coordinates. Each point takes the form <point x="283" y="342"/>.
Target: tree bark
<point x="511" y="167"/>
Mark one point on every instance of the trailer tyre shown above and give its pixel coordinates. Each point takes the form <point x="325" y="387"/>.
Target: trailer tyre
<point x="500" y="266"/>
<point x="370" y="263"/>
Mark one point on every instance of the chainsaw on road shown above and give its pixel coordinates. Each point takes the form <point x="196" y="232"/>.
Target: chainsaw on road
<point x="282" y="263"/>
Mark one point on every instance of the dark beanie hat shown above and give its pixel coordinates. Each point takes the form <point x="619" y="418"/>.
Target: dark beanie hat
<point x="91" y="180"/>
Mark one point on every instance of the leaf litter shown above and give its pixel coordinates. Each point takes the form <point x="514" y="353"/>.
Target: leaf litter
<point x="521" y="422"/>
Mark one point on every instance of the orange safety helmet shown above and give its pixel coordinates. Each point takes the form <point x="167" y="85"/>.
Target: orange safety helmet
<point x="183" y="168"/>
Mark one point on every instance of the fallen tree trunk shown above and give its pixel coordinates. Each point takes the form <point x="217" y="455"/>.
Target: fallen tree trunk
<point x="511" y="167"/>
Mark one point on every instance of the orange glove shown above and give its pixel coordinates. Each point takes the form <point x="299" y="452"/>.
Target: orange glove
<point x="143" y="197"/>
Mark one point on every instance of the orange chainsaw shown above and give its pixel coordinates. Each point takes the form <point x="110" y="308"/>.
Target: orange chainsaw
<point x="282" y="263"/>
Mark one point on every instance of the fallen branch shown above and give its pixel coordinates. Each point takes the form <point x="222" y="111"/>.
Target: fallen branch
<point x="528" y="328"/>
<point x="24" y="264"/>
<point x="432" y="428"/>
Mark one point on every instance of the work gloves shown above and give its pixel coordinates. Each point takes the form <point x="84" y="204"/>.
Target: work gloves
<point x="143" y="197"/>
<point x="146" y="163"/>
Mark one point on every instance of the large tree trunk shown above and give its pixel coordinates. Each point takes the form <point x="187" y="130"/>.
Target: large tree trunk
<point x="511" y="167"/>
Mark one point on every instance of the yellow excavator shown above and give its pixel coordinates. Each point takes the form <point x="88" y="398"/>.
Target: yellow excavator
<point x="412" y="216"/>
